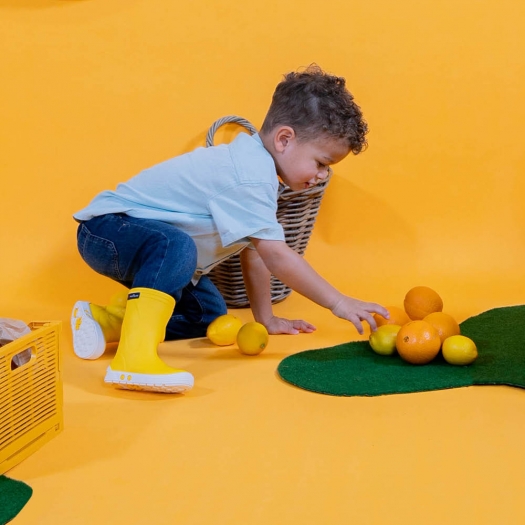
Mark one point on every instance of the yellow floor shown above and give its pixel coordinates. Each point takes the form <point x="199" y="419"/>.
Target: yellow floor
<point x="93" y="92"/>
<point x="245" y="447"/>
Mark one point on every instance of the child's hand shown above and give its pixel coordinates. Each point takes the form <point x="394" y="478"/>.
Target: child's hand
<point x="356" y="311"/>
<point x="278" y="325"/>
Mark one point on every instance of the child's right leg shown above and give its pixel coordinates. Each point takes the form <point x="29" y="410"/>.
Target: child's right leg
<point x="94" y="326"/>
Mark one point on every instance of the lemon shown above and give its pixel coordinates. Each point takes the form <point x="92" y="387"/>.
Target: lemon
<point x="252" y="338"/>
<point x="459" y="350"/>
<point x="223" y="330"/>
<point x="383" y="340"/>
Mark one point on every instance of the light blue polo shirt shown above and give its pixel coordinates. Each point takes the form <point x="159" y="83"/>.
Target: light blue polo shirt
<point x="220" y="196"/>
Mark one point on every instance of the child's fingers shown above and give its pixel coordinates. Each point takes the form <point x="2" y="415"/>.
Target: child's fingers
<point x="303" y="326"/>
<point x="381" y="310"/>
<point x="356" y="311"/>
<point x="297" y="326"/>
<point x="371" y="321"/>
<point x="354" y="319"/>
<point x="279" y="325"/>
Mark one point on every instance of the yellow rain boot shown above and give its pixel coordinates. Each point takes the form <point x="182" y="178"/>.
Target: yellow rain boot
<point x="136" y="365"/>
<point x="94" y="326"/>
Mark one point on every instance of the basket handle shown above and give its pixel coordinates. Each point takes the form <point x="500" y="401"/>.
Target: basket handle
<point x="225" y="120"/>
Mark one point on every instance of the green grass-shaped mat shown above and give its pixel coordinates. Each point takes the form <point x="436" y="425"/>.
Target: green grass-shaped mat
<point x="353" y="369"/>
<point x="13" y="496"/>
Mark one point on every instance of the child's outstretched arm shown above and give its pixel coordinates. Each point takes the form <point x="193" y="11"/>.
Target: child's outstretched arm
<point x="257" y="282"/>
<point x="294" y="271"/>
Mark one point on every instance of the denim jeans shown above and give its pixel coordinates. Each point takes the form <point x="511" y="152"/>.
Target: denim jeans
<point x="153" y="254"/>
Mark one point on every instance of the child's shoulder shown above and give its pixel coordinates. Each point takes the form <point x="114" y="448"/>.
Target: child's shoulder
<point x="251" y="157"/>
<point x="249" y="148"/>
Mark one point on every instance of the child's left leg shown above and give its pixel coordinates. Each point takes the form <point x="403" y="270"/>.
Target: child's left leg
<point x="197" y="307"/>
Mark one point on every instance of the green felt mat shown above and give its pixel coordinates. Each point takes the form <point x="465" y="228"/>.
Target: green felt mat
<point x="13" y="496"/>
<point x="353" y="369"/>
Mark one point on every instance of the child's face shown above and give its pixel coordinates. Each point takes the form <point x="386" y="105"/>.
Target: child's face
<point x="303" y="164"/>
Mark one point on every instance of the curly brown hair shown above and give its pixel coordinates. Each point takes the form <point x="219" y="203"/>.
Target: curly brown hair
<point x="315" y="103"/>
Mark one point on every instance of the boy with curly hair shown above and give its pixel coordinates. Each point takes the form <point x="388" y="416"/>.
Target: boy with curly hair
<point x="163" y="230"/>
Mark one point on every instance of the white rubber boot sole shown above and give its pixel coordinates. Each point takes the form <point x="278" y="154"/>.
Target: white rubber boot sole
<point x="176" y="383"/>
<point x="88" y="339"/>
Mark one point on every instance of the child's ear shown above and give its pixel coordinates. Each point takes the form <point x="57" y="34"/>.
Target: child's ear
<point x="282" y="138"/>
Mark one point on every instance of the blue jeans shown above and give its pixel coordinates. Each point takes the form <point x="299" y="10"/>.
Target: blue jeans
<point x="153" y="254"/>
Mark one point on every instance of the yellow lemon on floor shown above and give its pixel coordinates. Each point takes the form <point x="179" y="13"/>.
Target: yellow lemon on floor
<point x="252" y="338"/>
<point x="223" y="330"/>
<point x="459" y="350"/>
<point x="383" y="340"/>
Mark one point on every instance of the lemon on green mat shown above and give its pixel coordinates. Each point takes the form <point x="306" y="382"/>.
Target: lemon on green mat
<point x="383" y="340"/>
<point x="459" y="350"/>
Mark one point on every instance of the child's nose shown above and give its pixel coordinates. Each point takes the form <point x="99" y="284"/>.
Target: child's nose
<point x="322" y="174"/>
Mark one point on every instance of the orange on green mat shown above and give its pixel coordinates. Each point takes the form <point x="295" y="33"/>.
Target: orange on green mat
<point x="353" y="369"/>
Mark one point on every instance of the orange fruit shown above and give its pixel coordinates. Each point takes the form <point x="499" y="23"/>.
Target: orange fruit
<point x="459" y="350"/>
<point x="444" y="323"/>
<point x="418" y="342"/>
<point x="397" y="316"/>
<point x="421" y="301"/>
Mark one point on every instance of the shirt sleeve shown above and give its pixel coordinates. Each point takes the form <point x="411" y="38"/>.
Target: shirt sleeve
<point x="246" y="210"/>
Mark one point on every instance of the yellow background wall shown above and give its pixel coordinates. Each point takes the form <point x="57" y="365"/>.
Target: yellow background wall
<point x="94" y="91"/>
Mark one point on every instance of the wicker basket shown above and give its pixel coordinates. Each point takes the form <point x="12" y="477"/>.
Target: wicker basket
<point x="296" y="211"/>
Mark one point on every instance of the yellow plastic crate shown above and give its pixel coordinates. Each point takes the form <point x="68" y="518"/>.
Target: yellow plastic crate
<point x="31" y="405"/>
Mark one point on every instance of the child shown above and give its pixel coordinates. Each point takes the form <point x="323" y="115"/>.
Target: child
<point x="162" y="231"/>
